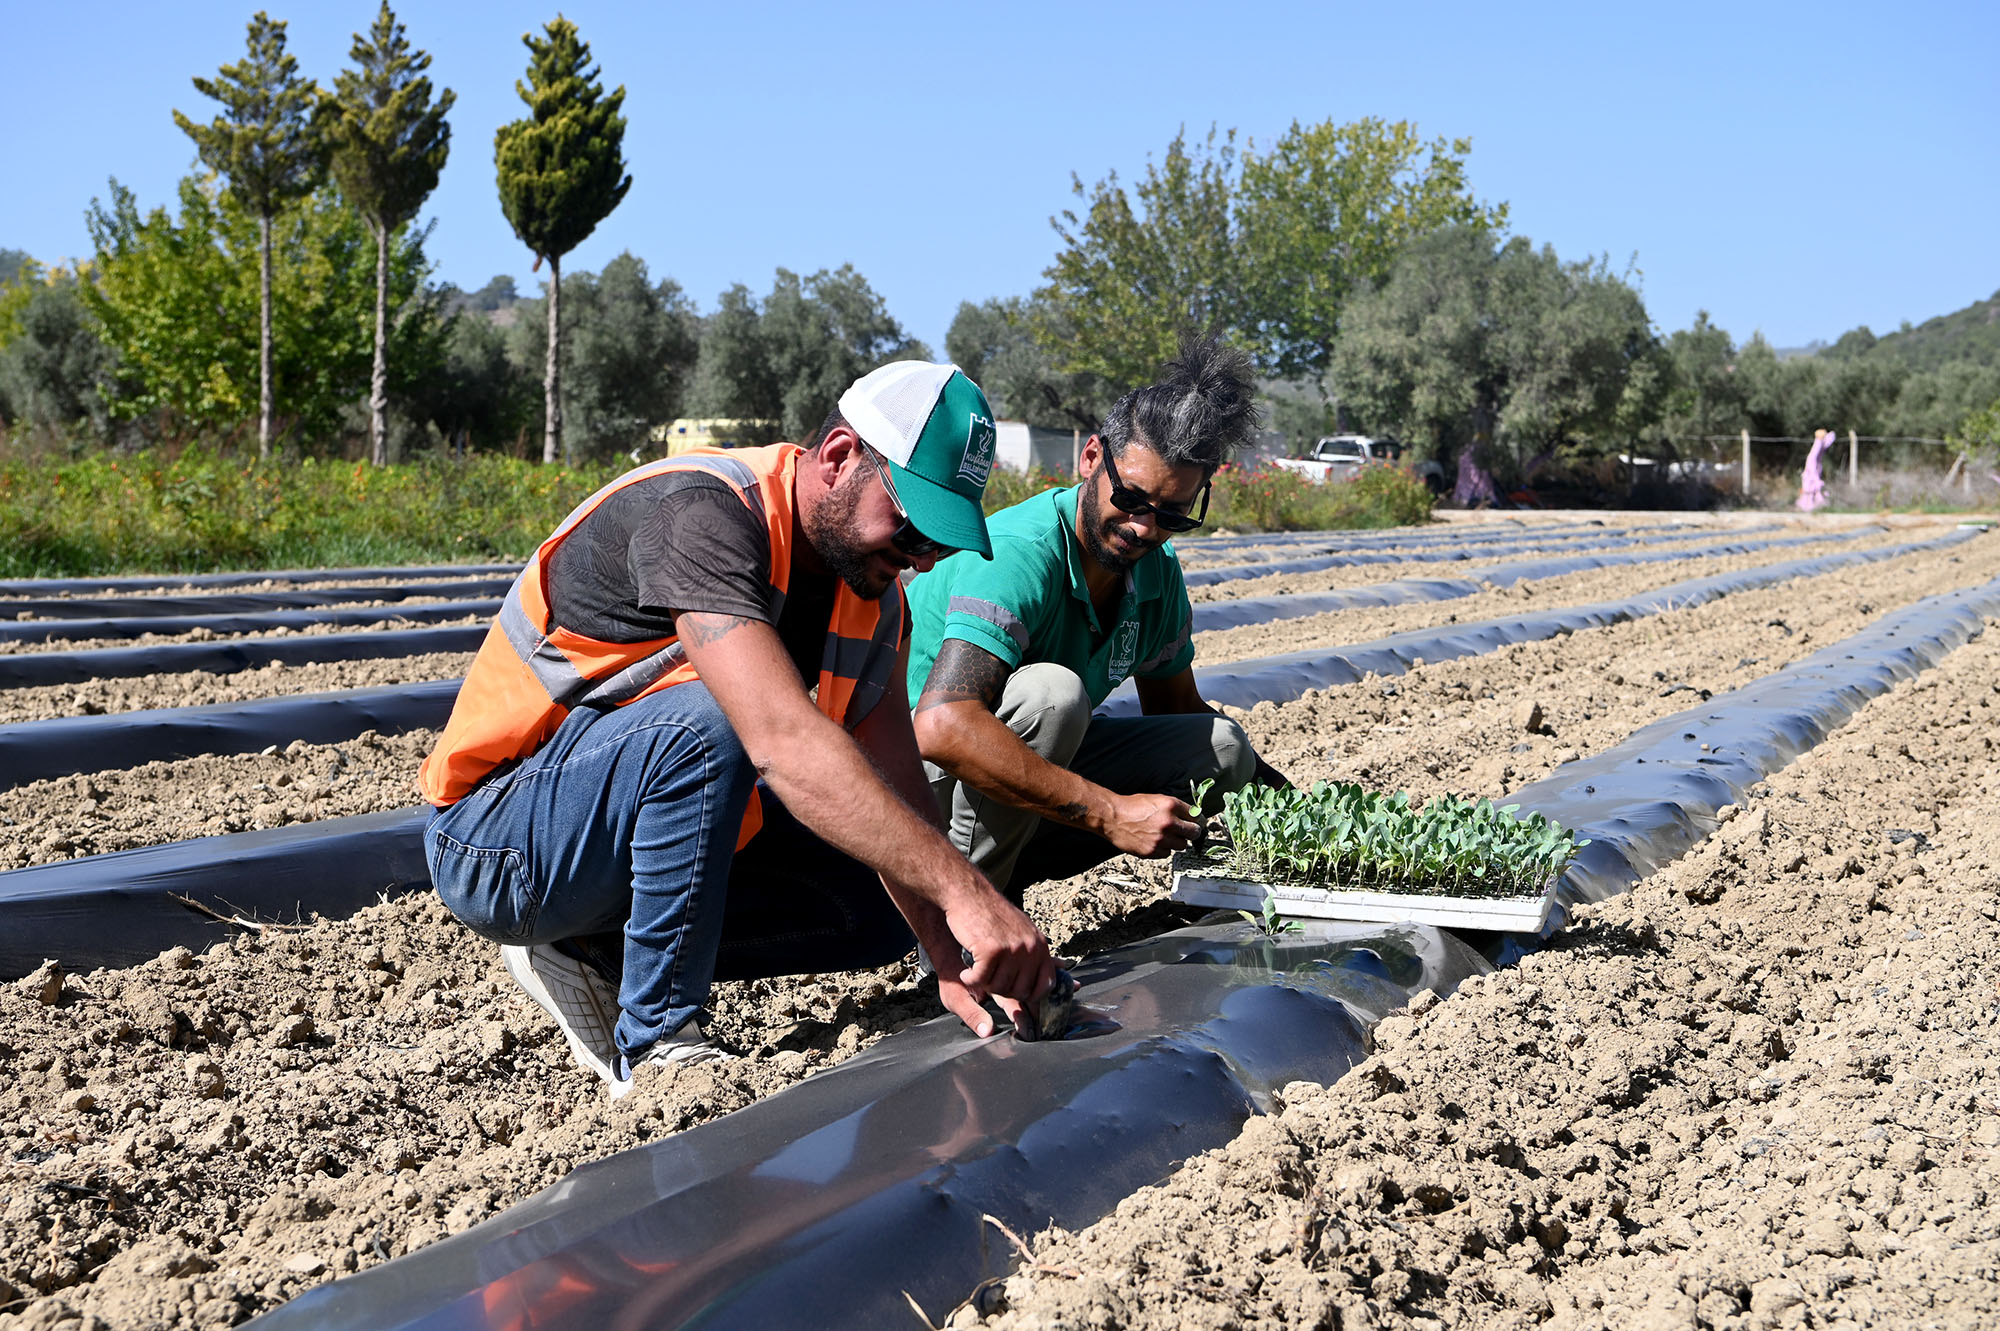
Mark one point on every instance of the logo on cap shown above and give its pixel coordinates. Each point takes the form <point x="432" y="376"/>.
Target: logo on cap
<point x="977" y="463"/>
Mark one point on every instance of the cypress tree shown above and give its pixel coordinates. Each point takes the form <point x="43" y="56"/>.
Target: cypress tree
<point x="388" y="142"/>
<point x="561" y="172"/>
<point x="265" y="147"/>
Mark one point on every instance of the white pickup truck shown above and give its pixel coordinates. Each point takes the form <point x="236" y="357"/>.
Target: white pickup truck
<point x="1337" y="457"/>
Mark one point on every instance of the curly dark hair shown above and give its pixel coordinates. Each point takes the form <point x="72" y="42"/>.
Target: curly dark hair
<point x="1203" y="410"/>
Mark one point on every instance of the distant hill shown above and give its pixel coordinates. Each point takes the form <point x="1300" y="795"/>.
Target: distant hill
<point x="1971" y="334"/>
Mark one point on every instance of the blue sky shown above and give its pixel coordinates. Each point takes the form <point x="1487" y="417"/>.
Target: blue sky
<point x="1798" y="169"/>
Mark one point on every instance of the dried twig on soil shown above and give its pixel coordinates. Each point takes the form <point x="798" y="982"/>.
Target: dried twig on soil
<point x="254" y="926"/>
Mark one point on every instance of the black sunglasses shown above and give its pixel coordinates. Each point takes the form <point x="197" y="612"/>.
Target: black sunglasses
<point x="912" y="543"/>
<point x="1134" y="503"/>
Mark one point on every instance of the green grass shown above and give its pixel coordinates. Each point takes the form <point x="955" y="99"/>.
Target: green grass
<point x="197" y="510"/>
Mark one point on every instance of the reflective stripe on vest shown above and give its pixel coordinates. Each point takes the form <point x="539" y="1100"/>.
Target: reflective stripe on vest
<point x="530" y="672"/>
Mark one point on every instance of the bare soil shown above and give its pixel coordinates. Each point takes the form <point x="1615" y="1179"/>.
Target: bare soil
<point x="1758" y="1091"/>
<point x="195" y="1140"/>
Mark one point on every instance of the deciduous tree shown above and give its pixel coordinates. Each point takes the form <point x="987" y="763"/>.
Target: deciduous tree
<point x="1137" y="270"/>
<point x="789" y="358"/>
<point x="995" y="343"/>
<point x="388" y="141"/>
<point x="1325" y="213"/>
<point x="174" y="297"/>
<point x="633" y="345"/>
<point x="265" y="146"/>
<point x="561" y="171"/>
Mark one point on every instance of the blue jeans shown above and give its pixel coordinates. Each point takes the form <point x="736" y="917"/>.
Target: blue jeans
<point x="626" y="821"/>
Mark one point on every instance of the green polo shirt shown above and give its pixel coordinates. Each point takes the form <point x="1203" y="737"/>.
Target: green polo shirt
<point x="1029" y="603"/>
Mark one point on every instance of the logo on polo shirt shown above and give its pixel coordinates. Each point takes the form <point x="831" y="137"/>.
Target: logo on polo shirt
<point x="1123" y="649"/>
<point x="977" y="464"/>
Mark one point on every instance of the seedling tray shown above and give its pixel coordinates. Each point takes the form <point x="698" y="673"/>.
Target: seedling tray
<point x="1199" y="882"/>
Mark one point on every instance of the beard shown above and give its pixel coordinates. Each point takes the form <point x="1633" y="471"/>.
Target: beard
<point x="1097" y="535"/>
<point x="831" y="531"/>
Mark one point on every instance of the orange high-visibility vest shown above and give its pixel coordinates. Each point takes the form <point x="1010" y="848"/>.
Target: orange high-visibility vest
<point x="530" y="671"/>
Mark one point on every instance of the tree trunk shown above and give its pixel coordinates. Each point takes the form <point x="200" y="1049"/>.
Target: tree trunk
<point x="552" y="377"/>
<point x="378" y="392"/>
<point x="264" y="341"/>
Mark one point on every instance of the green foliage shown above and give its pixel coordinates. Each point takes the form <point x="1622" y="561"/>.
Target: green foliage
<point x="1268" y="921"/>
<point x="1326" y="213"/>
<point x="263" y="143"/>
<point x="995" y="343"/>
<point x="1129" y="280"/>
<point x="1978" y="435"/>
<point x="1968" y="335"/>
<point x="1346" y="837"/>
<point x="789" y="357"/>
<point x="1266" y="247"/>
<point x="477" y="398"/>
<point x="1465" y="346"/>
<point x="199" y="511"/>
<point x="562" y="169"/>
<point x="1255" y="496"/>
<point x="633" y="345"/>
<point x="176" y="302"/>
<point x="54" y="368"/>
<point x="388" y="140"/>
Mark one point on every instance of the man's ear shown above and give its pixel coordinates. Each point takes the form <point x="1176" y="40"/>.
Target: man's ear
<point x="1092" y="454"/>
<point x="836" y="453"/>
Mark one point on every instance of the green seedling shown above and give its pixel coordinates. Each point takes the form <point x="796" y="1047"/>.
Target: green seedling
<point x="1340" y="835"/>
<point x="1272" y="925"/>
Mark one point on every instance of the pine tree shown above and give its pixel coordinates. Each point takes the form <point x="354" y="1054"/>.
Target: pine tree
<point x="265" y="146"/>
<point x="561" y="172"/>
<point x="388" y="143"/>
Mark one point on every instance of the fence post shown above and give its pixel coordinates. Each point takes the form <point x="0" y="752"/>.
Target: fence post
<point x="1746" y="464"/>
<point x="1075" y="450"/>
<point x="1853" y="461"/>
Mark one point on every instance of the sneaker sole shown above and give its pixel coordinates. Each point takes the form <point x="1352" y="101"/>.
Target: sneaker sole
<point x="558" y="987"/>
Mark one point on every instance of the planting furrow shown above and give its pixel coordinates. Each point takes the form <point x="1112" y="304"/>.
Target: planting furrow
<point x="245" y="603"/>
<point x="64" y="635"/>
<point x="39" y="750"/>
<point x="1222" y="551"/>
<point x="1285" y="676"/>
<point x="1312" y="564"/>
<point x="25" y="671"/>
<point x="1211" y="616"/>
<point x="298" y="667"/>
<point x="140" y="582"/>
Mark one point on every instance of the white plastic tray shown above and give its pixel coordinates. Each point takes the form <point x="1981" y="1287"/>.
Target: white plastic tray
<point x="1201" y="885"/>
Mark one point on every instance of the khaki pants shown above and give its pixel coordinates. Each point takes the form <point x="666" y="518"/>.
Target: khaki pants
<point x="1047" y="707"/>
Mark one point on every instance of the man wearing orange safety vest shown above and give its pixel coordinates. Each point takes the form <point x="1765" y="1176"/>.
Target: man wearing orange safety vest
<point x="684" y="750"/>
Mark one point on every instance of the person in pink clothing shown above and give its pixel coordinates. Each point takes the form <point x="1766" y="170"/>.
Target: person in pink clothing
<point x="1812" y="488"/>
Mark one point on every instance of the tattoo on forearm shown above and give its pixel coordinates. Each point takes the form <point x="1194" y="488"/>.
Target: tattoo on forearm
<point x="964" y="673"/>
<point x="1073" y="810"/>
<point x="699" y="630"/>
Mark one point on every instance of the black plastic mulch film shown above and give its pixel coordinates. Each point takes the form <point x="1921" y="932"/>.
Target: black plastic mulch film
<point x="38" y="750"/>
<point x="1438" y="554"/>
<point x="115" y="909"/>
<point x="825" y="1205"/>
<point x="137" y="626"/>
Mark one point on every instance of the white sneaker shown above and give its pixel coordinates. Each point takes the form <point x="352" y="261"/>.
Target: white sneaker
<point x="583" y="1003"/>
<point x="686" y="1047"/>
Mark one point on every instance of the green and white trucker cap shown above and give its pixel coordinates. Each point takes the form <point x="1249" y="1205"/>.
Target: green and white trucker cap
<point x="936" y="429"/>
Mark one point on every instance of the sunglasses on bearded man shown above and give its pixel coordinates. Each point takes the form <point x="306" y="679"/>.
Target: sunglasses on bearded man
<point x="1134" y="503"/>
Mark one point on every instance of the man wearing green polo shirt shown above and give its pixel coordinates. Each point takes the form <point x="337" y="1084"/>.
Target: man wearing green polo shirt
<point x="1009" y="657"/>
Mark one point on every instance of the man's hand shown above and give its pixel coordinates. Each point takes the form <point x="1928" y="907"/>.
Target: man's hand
<point x="1011" y="961"/>
<point x="1151" y="826"/>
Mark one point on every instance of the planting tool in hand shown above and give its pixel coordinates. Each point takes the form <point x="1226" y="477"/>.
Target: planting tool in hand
<point x="1055" y="1012"/>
